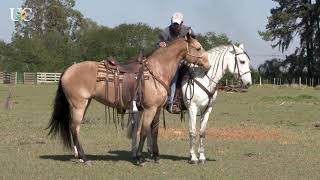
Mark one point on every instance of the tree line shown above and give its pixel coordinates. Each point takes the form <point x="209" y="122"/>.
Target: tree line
<point x="59" y="35"/>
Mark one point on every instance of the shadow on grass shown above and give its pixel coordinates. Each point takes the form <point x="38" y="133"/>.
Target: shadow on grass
<point x="115" y="156"/>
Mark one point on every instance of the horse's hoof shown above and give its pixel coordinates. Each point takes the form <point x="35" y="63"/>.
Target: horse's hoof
<point x="202" y="161"/>
<point x="88" y="163"/>
<point x="81" y="160"/>
<point x="140" y="163"/>
<point x="157" y="160"/>
<point x="150" y="153"/>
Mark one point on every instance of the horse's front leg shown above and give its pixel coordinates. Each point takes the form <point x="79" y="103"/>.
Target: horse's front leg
<point x="154" y="134"/>
<point x="204" y="121"/>
<point x="192" y="132"/>
<point x="148" y="116"/>
<point x="134" y="133"/>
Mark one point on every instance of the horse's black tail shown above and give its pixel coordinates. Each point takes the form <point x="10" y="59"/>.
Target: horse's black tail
<point x="60" y="118"/>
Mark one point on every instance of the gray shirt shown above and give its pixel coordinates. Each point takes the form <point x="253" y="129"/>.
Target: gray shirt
<point x="169" y="35"/>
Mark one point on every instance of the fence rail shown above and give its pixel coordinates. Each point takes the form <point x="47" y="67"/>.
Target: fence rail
<point x="29" y="78"/>
<point x="8" y="77"/>
<point x="1" y="77"/>
<point x="44" y="77"/>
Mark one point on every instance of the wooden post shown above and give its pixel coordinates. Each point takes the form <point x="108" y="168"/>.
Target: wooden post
<point x="274" y="81"/>
<point x="300" y="82"/>
<point x="260" y="81"/>
<point x="306" y="81"/>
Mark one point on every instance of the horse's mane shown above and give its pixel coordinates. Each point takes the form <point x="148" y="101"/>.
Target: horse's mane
<point x="219" y="48"/>
<point x="161" y="51"/>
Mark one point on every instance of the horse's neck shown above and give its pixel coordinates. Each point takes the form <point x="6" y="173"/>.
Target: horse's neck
<point x="164" y="63"/>
<point x="218" y="60"/>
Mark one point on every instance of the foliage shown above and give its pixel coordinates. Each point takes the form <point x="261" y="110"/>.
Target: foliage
<point x="291" y="19"/>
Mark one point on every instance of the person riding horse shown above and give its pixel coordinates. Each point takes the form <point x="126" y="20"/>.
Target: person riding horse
<point x="175" y="30"/>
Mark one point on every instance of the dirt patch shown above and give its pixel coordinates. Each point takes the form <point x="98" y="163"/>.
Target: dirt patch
<point x="226" y="133"/>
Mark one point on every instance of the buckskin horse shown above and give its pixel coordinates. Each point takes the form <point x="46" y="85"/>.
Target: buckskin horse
<point x="199" y="92"/>
<point x="79" y="84"/>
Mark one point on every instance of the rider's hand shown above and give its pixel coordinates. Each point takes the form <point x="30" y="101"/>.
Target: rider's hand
<point x="162" y="44"/>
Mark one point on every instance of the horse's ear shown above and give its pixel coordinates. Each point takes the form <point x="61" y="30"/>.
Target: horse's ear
<point x="241" y="46"/>
<point x="188" y="36"/>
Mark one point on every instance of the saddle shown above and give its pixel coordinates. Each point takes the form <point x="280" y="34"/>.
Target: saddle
<point x="127" y="78"/>
<point x="132" y="66"/>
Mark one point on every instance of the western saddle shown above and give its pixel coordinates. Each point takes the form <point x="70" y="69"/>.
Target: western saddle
<point x="127" y="78"/>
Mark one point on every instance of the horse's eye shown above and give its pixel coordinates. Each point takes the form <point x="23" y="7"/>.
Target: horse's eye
<point x="199" y="48"/>
<point x="242" y="62"/>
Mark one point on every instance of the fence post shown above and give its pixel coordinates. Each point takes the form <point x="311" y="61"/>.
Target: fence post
<point x="260" y="81"/>
<point x="300" y="82"/>
<point x="306" y="81"/>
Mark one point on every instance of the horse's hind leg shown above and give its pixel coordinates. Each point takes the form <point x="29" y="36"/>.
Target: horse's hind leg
<point x="77" y="116"/>
<point x="204" y="121"/>
<point x="136" y="118"/>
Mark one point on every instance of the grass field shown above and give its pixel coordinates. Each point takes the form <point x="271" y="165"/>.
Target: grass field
<point x="267" y="133"/>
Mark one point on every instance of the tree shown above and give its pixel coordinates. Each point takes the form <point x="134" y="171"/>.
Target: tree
<point x="51" y="15"/>
<point x="210" y="40"/>
<point x="299" y="17"/>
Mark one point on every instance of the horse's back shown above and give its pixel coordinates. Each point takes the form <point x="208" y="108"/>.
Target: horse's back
<point x="79" y="80"/>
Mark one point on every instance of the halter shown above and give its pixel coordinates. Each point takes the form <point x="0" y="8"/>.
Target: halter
<point x="236" y="65"/>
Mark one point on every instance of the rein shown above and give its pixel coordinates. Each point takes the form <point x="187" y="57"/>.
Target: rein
<point x="192" y="79"/>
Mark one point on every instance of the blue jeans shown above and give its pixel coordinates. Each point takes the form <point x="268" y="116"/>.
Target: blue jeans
<point x="173" y="87"/>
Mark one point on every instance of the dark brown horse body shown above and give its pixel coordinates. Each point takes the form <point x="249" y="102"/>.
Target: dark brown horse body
<point x="78" y="85"/>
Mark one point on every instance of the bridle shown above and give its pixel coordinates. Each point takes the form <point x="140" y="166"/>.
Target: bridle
<point x="236" y="64"/>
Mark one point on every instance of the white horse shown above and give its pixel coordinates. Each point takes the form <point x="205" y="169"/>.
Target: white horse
<point x="202" y="94"/>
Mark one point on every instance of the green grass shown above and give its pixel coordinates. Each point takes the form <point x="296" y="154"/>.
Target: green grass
<point x="27" y="153"/>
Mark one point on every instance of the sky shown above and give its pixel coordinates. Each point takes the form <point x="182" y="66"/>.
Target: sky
<point x="239" y="20"/>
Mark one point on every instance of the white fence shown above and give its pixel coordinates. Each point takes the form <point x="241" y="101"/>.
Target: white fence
<point x="44" y="77"/>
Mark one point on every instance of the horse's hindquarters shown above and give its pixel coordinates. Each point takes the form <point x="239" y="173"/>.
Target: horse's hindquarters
<point x="79" y="82"/>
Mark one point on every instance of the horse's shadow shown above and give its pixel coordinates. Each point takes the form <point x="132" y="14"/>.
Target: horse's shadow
<point x="115" y="156"/>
